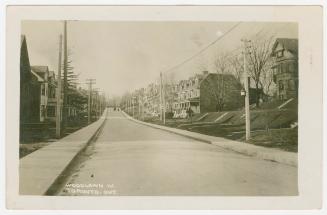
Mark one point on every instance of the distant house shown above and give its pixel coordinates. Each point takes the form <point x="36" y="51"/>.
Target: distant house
<point x="29" y="88"/>
<point x="152" y="99"/>
<point x="77" y="98"/>
<point x="47" y="92"/>
<point x="286" y="77"/>
<point x="220" y="92"/>
<point x="188" y="94"/>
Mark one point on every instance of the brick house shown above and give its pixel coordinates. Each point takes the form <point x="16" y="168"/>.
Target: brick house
<point x="188" y="94"/>
<point x="285" y="68"/>
<point x="220" y="92"/>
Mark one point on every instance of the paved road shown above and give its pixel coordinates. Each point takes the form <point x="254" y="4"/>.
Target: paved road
<point x="133" y="159"/>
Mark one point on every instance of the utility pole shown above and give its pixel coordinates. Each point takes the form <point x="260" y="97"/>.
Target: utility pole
<point x="58" y="110"/>
<point x="129" y="106"/>
<point x="133" y="105"/>
<point x="139" y="104"/>
<point x="90" y="82"/>
<point x="247" y="92"/>
<point x="162" y="101"/>
<point x="65" y="102"/>
<point x="95" y="104"/>
<point x="160" y="93"/>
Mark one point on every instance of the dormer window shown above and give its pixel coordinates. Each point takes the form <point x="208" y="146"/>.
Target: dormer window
<point x="280" y="53"/>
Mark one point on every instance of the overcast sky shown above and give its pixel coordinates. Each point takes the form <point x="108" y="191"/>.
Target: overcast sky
<point x="123" y="56"/>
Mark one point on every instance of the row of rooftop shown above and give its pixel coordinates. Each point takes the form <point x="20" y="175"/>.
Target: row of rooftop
<point x="210" y="92"/>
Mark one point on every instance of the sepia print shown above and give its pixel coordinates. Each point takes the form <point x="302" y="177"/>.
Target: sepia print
<point x="126" y="128"/>
<point x="132" y="105"/>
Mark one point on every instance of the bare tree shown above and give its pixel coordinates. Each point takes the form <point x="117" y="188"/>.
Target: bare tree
<point x="221" y="66"/>
<point x="258" y="61"/>
<point x="236" y="66"/>
<point x="266" y="79"/>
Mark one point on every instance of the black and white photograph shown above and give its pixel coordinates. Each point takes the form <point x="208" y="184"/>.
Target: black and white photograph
<point x="188" y="107"/>
<point x="188" y="130"/>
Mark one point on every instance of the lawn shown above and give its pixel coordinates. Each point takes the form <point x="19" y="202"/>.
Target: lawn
<point x="285" y="139"/>
<point x="27" y="148"/>
<point x="270" y="127"/>
<point x="37" y="138"/>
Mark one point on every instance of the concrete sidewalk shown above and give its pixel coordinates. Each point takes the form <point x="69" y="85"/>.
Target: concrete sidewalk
<point x="39" y="170"/>
<point x="270" y="154"/>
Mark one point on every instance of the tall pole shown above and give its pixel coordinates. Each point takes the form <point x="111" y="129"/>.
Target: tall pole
<point x="164" y="103"/>
<point x="99" y="104"/>
<point x="162" y="100"/>
<point x="133" y="105"/>
<point x="160" y="93"/>
<point x="65" y="110"/>
<point x="247" y="94"/>
<point x="58" y="110"/>
<point x="96" y="104"/>
<point x="139" y="104"/>
<point x="89" y="104"/>
<point x="90" y="82"/>
<point x="129" y="106"/>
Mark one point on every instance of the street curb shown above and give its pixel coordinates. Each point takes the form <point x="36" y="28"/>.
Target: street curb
<point x="61" y="179"/>
<point x="50" y="165"/>
<point x="269" y="154"/>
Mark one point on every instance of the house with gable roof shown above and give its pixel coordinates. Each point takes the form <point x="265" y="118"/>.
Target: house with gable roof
<point x="285" y="68"/>
<point x="47" y="94"/>
<point x="29" y="88"/>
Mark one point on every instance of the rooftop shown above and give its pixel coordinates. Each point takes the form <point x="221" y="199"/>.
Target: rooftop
<point x="290" y="44"/>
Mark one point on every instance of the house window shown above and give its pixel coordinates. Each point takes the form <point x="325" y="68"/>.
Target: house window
<point x="279" y="68"/>
<point x="280" y="53"/>
<point x="42" y="90"/>
<point x="52" y="93"/>
<point x="274" y="78"/>
<point x="51" y="111"/>
<point x="291" y="67"/>
<point x="291" y="84"/>
<point x="42" y="110"/>
<point x="274" y="69"/>
<point x="280" y="85"/>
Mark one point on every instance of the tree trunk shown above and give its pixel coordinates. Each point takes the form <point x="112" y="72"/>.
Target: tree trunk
<point x="257" y="94"/>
